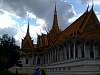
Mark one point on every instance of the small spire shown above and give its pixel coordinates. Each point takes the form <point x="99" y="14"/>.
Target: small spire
<point x="46" y="30"/>
<point x="40" y="31"/>
<point x="28" y="34"/>
<point x="37" y="38"/>
<point x="55" y="26"/>
<point x="55" y="13"/>
<point x="28" y="29"/>
<point x="92" y="4"/>
<point x="87" y="7"/>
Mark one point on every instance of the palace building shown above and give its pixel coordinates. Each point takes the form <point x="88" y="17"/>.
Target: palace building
<point x="73" y="51"/>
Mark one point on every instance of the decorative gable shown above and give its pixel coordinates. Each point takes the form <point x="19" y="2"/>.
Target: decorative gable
<point x="91" y="23"/>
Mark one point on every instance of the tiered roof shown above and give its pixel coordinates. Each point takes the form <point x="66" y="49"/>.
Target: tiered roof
<point x="86" y="27"/>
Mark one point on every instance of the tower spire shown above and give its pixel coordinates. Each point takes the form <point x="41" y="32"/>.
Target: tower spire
<point x="55" y="27"/>
<point x="28" y="29"/>
<point x="92" y="4"/>
<point x="55" y="21"/>
<point x="87" y="7"/>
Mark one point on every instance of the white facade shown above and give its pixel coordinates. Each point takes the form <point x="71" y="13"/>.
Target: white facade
<point x="77" y="53"/>
<point x="73" y="57"/>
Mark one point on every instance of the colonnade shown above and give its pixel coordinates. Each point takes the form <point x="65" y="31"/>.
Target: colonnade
<point x="69" y="50"/>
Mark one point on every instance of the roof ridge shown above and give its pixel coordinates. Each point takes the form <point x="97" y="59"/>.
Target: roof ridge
<point x="80" y="18"/>
<point x="90" y="14"/>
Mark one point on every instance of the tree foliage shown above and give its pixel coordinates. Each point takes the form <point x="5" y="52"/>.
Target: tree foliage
<point x="8" y="52"/>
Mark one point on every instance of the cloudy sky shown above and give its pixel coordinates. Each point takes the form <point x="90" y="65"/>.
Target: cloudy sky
<point x="14" y="15"/>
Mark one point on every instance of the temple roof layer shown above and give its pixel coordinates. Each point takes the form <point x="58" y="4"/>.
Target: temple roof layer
<point x="86" y="27"/>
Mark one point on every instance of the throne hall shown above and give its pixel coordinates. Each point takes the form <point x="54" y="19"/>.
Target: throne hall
<point x="73" y="51"/>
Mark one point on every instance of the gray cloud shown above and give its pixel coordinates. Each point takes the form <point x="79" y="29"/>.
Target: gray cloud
<point x="85" y="1"/>
<point x="1" y="12"/>
<point x="65" y="12"/>
<point x="41" y="8"/>
<point x="9" y="30"/>
<point x="21" y="6"/>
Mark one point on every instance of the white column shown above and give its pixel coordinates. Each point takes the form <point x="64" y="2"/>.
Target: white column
<point x="57" y="54"/>
<point x="79" y="51"/>
<point x="45" y="59"/>
<point x="94" y="51"/>
<point x="40" y="59"/>
<point x="48" y="57"/>
<point x="36" y="60"/>
<point x="69" y="51"/>
<point x="74" y="50"/>
<point x="65" y="53"/>
<point x="54" y="55"/>
<point x="51" y="56"/>
<point x="84" y="50"/>
<point x="60" y="54"/>
<point x="87" y="51"/>
<point x="33" y="59"/>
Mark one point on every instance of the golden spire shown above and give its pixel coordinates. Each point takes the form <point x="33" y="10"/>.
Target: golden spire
<point x="28" y="33"/>
<point x="28" y="29"/>
<point x="55" y="27"/>
<point x="55" y="21"/>
<point x="92" y="5"/>
<point x="87" y="7"/>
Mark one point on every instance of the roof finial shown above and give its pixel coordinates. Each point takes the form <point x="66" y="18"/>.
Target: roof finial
<point x="92" y="4"/>
<point x="87" y="7"/>
<point x="28" y="28"/>
<point x="46" y="30"/>
<point x="55" y="8"/>
<point x="27" y="24"/>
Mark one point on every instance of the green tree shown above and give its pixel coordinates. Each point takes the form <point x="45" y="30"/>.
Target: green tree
<point x="8" y="52"/>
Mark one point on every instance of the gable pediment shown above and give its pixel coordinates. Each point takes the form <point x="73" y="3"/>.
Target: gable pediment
<point x="91" y="23"/>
